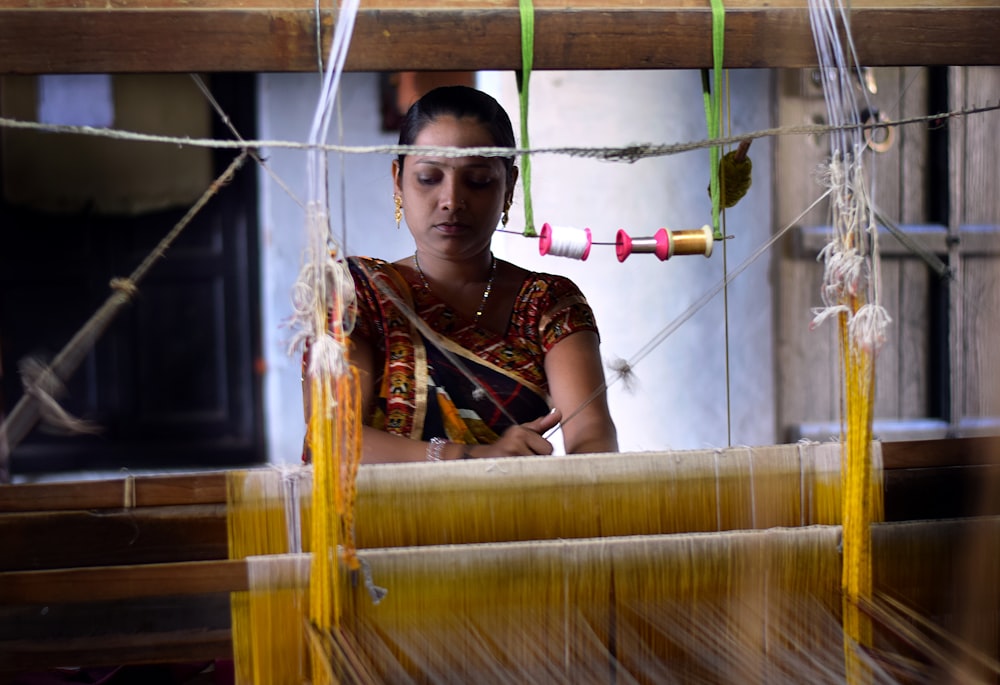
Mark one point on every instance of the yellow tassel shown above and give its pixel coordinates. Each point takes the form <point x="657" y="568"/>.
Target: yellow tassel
<point x="861" y="508"/>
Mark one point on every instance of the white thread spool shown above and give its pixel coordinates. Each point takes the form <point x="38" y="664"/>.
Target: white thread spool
<point x="564" y="241"/>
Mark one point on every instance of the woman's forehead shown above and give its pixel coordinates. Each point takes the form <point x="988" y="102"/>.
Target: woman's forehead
<point x="449" y="131"/>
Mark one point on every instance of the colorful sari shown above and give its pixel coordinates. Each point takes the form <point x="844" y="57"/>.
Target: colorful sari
<point x="423" y="388"/>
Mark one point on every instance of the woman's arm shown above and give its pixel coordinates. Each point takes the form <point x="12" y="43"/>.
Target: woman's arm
<point x="575" y="373"/>
<point x="378" y="446"/>
<point x="381" y="447"/>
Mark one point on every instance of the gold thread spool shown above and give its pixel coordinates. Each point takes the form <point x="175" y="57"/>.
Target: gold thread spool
<point x="691" y="242"/>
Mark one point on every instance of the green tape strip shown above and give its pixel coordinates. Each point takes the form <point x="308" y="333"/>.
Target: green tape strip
<point x="713" y="109"/>
<point x="523" y="86"/>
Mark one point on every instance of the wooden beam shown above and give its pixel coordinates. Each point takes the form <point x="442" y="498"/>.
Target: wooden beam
<point x="58" y="539"/>
<point x="140" y="491"/>
<point x="209" y="487"/>
<point x="108" y="583"/>
<point x="115" y="650"/>
<point x="82" y="36"/>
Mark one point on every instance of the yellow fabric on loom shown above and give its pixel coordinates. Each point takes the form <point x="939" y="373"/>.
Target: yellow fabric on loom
<point x="740" y="606"/>
<point x="512" y="499"/>
<point x="531" y="498"/>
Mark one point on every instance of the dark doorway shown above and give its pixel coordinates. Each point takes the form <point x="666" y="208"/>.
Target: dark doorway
<point x="173" y="382"/>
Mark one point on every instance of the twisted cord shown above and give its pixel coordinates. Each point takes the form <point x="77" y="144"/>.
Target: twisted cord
<point x="628" y="153"/>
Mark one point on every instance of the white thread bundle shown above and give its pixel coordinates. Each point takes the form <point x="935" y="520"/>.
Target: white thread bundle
<point x="565" y="241"/>
<point x="851" y="258"/>
<point x="324" y="285"/>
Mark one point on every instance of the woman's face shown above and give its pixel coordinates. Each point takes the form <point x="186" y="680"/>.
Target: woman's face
<point x="452" y="205"/>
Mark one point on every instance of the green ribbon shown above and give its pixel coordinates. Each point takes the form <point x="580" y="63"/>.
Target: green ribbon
<point x="523" y="83"/>
<point x="713" y="109"/>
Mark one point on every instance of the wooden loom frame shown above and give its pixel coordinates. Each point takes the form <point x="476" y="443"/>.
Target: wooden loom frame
<point x="170" y="541"/>
<point x="86" y="36"/>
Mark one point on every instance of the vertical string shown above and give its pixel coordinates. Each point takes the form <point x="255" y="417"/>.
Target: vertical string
<point x="523" y="86"/>
<point x="713" y="115"/>
<point x="725" y="291"/>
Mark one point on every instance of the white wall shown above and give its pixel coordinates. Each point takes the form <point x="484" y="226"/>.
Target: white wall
<point x="678" y="400"/>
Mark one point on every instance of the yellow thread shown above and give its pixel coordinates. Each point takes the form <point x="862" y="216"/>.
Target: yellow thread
<point x="862" y="506"/>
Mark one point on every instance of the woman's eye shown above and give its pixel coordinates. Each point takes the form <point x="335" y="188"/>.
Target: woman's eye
<point x="477" y="182"/>
<point x="426" y="180"/>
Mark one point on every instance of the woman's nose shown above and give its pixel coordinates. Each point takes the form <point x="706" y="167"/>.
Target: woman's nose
<point x="451" y="195"/>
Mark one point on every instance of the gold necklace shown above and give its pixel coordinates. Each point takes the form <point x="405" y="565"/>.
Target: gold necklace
<point x="486" y="292"/>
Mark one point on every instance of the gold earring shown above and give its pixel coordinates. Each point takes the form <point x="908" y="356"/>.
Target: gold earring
<point x="506" y="213"/>
<point x="399" y="209"/>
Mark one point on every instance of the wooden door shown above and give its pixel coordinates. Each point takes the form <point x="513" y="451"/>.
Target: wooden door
<point x="935" y="187"/>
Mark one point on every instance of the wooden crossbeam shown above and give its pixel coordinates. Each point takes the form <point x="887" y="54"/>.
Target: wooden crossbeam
<point x="189" y="646"/>
<point x="109" y="583"/>
<point x="83" y="36"/>
<point x="210" y="487"/>
<point x="182" y="518"/>
<point x="925" y="581"/>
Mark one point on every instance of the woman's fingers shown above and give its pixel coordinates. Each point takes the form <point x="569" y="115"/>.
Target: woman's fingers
<point x="526" y="438"/>
<point x="543" y="423"/>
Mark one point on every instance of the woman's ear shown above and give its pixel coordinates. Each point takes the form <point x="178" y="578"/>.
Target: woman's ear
<point x="513" y="183"/>
<point x="396" y="169"/>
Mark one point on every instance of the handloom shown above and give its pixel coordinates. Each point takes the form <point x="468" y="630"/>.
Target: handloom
<point x="738" y="576"/>
<point x="653" y="567"/>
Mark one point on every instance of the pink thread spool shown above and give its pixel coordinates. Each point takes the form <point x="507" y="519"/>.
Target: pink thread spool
<point x="565" y="242"/>
<point x="665" y="244"/>
<point x="659" y="245"/>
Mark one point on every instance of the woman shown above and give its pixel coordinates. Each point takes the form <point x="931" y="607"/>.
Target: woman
<point x="529" y="339"/>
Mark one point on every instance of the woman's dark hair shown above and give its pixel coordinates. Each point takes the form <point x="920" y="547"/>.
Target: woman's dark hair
<point x="459" y="102"/>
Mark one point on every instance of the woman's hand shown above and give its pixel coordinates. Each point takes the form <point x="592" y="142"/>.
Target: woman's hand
<point x="521" y="440"/>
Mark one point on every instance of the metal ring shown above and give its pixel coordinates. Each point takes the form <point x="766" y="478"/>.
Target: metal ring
<point x="889" y="137"/>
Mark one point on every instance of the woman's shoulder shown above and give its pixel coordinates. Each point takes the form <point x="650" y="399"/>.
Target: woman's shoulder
<point x="553" y="284"/>
<point x="367" y="263"/>
<point x="366" y="268"/>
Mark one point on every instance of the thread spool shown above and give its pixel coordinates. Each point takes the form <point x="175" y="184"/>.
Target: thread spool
<point x="694" y="241"/>
<point x="659" y="245"/>
<point x="666" y="244"/>
<point x="564" y="241"/>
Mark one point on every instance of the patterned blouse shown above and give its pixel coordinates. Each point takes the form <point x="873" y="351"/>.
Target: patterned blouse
<point x="424" y="386"/>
